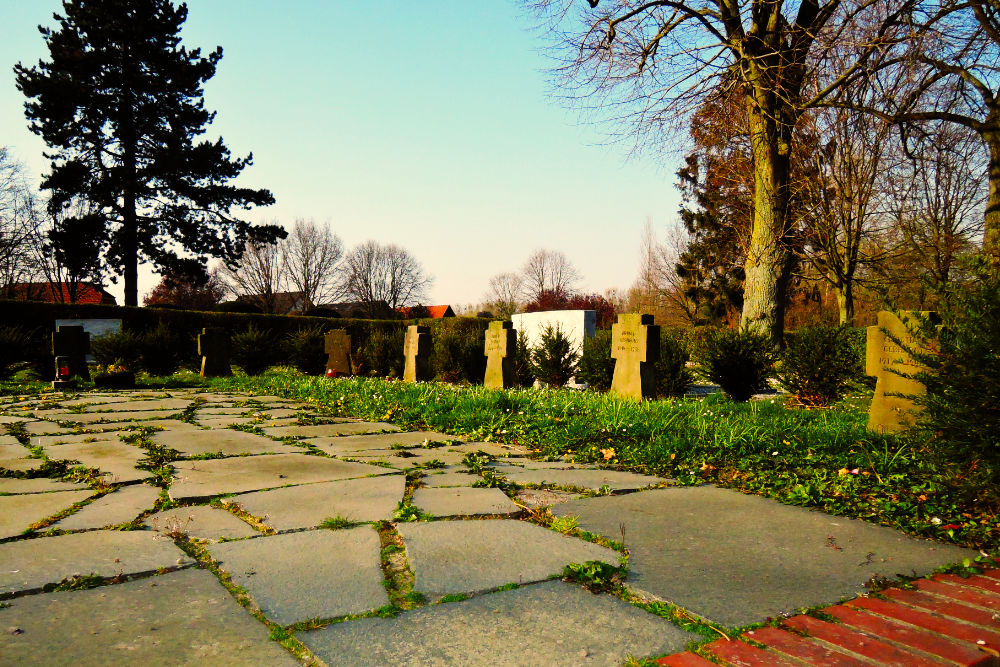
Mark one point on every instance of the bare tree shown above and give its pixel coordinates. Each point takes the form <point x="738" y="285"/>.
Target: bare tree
<point x="503" y="294"/>
<point x="377" y="275"/>
<point x="311" y="255"/>
<point x="652" y="62"/>
<point x="548" y="271"/>
<point x="20" y="225"/>
<point x="258" y="276"/>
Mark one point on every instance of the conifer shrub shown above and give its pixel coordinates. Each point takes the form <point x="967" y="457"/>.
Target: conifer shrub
<point x="524" y="374"/>
<point x="305" y="350"/>
<point x="254" y="350"/>
<point x="961" y="413"/>
<point x="673" y="377"/>
<point x="161" y="350"/>
<point x="122" y="348"/>
<point x="15" y="347"/>
<point x="597" y="368"/>
<point x="819" y="364"/>
<point x="554" y="361"/>
<point x="381" y="355"/>
<point x="459" y="354"/>
<point x="738" y="361"/>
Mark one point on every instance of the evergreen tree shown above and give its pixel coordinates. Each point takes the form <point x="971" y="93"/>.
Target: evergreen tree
<point x="120" y="104"/>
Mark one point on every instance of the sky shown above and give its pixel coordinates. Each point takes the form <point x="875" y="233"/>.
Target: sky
<point x="433" y="125"/>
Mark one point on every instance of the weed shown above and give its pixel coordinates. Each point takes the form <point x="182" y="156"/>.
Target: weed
<point x="596" y="576"/>
<point x="408" y="512"/>
<point x="335" y="523"/>
<point x="453" y="597"/>
<point x="565" y="524"/>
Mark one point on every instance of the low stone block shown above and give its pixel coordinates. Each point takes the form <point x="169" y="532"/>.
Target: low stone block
<point x="202" y="522"/>
<point x="116" y="460"/>
<point x="463" y="501"/>
<point x="14" y="485"/>
<point x="18" y="513"/>
<point x="340" y="428"/>
<point x="582" y="478"/>
<point x="115" y="508"/>
<point x="225" y="441"/>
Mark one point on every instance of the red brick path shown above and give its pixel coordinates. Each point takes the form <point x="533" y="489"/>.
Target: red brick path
<point x="948" y="620"/>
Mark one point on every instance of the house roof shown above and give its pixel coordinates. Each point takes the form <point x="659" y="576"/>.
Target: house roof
<point x="436" y="312"/>
<point x="60" y="293"/>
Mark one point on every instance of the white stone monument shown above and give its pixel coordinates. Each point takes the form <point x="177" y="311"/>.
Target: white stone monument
<point x="575" y="325"/>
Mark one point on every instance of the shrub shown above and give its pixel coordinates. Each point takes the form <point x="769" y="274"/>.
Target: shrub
<point x="237" y="307"/>
<point x="554" y="360"/>
<point x="15" y="347"/>
<point x="305" y="349"/>
<point x="673" y="377"/>
<point x="597" y="368"/>
<point x="738" y="361"/>
<point x="459" y="354"/>
<point x="253" y="350"/>
<point x="123" y="348"/>
<point x="161" y="350"/>
<point x="819" y="364"/>
<point x="524" y="374"/>
<point x="962" y="404"/>
<point x="382" y="354"/>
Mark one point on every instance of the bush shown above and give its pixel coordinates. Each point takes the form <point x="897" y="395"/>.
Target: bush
<point x="238" y="307"/>
<point x="554" y="360"/>
<point x="382" y="354"/>
<point x="15" y="347"/>
<point x="305" y="349"/>
<point x="738" y="361"/>
<point x="118" y="349"/>
<point x="673" y="377"/>
<point x="597" y="368"/>
<point x="819" y="364"/>
<point x="524" y="374"/>
<point x="254" y="350"/>
<point x="962" y="404"/>
<point x="161" y="350"/>
<point x="459" y="354"/>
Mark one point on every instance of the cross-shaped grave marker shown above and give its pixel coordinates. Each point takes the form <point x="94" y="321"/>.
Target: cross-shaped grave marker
<point x="417" y="348"/>
<point x="338" y="350"/>
<point x="72" y="343"/>
<point x="213" y="346"/>
<point x="888" y="358"/>
<point x="501" y="339"/>
<point x="635" y="347"/>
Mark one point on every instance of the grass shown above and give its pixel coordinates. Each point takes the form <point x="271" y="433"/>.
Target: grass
<point x="814" y="458"/>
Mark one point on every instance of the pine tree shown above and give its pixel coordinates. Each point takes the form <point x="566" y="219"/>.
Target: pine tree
<point x="120" y="105"/>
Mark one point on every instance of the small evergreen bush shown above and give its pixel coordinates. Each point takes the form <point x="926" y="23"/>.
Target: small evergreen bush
<point x="597" y="368"/>
<point x="673" y="377"/>
<point x="382" y="354"/>
<point x="738" y="361"/>
<point x="305" y="350"/>
<point x="15" y="347"/>
<point x="819" y="364"/>
<point x="161" y="350"/>
<point x="459" y="354"/>
<point x="123" y="348"/>
<point x="524" y="374"/>
<point x="554" y="361"/>
<point x="253" y="350"/>
<point x="961" y="413"/>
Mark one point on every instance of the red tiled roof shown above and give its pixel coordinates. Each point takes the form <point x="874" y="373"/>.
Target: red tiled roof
<point x="59" y="293"/>
<point x="432" y="311"/>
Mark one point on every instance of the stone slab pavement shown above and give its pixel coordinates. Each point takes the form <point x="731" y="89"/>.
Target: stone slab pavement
<point x="724" y="556"/>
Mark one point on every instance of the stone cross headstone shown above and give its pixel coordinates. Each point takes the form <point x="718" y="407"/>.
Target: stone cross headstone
<point x="213" y="346"/>
<point x="72" y="343"/>
<point x="501" y="339"/>
<point x="892" y="409"/>
<point x="338" y="350"/>
<point x="635" y="347"/>
<point x="417" y="348"/>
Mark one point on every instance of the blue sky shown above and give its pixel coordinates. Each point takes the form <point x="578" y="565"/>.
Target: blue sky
<point x="427" y="124"/>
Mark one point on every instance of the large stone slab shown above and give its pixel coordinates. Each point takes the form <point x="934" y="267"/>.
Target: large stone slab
<point x="178" y="618"/>
<point x="119" y="416"/>
<point x="165" y="424"/>
<point x="305" y="506"/>
<point x="44" y="428"/>
<point x="8" y="440"/>
<point x="357" y="443"/>
<point x="224" y="441"/>
<point x="15" y="457"/>
<point x="115" y="508"/>
<point x="200" y="479"/>
<point x="171" y="404"/>
<point x="738" y="559"/>
<point x="313" y="574"/>
<point x="450" y="478"/>
<point x="463" y="502"/>
<point x="340" y="428"/>
<point x="19" y="512"/>
<point x="200" y="521"/>
<point x="585" y="478"/>
<point x="410" y="458"/>
<point x="36" y="485"/>
<point x="30" y="564"/>
<point x="70" y="438"/>
<point x="552" y="623"/>
<point x="473" y="556"/>
<point x="116" y="460"/>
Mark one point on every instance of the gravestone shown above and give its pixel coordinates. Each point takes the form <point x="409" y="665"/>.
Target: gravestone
<point x="70" y="345"/>
<point x="417" y="348"/>
<point x="635" y="347"/>
<point x="213" y="346"/>
<point x="338" y="350"/>
<point x="501" y="340"/>
<point x="888" y="358"/>
<point x="97" y="328"/>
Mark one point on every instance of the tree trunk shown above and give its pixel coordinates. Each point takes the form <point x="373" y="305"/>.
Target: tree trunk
<point x="129" y="231"/>
<point x="845" y="302"/>
<point x="768" y="260"/>
<point x="991" y="232"/>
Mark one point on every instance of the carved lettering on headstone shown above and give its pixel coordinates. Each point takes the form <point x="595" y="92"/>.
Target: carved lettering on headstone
<point x="888" y="358"/>
<point x="213" y="346"/>
<point x="635" y="347"/>
<point x="72" y="343"/>
<point x="417" y="348"/>
<point x="338" y="350"/>
<point x="500" y="342"/>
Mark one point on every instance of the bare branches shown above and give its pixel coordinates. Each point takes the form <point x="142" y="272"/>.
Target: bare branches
<point x="311" y="256"/>
<point x="548" y="270"/>
<point x="379" y="275"/>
